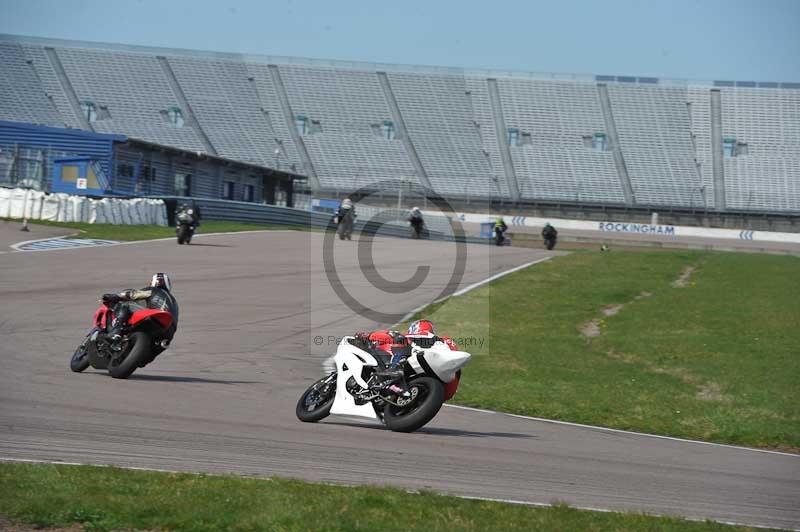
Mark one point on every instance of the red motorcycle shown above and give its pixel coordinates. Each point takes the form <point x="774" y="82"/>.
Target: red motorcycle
<point x="143" y="338"/>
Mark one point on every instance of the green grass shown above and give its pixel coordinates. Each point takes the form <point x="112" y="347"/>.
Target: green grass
<point x="716" y="360"/>
<point x="149" y="232"/>
<point x="102" y="498"/>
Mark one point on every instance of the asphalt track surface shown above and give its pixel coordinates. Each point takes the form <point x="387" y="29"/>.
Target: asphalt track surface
<point x="222" y="398"/>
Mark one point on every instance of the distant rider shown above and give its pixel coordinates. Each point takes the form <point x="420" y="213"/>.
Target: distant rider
<point x="549" y="232"/>
<point x="185" y="210"/>
<point x="345" y="208"/>
<point x="500" y="229"/>
<point x="156" y="296"/>
<point x="416" y="221"/>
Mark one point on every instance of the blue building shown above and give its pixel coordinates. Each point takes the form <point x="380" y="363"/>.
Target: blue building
<point x="100" y="164"/>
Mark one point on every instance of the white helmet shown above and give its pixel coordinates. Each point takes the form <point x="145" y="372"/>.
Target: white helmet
<point x="415" y="209"/>
<point x="347" y="202"/>
<point x="161" y="280"/>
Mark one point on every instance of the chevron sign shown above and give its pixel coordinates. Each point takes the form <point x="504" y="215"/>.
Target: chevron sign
<point x="746" y="235"/>
<point x="518" y="220"/>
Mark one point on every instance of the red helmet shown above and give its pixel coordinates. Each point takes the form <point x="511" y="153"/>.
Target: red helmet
<point x="390" y="342"/>
<point x="422" y="333"/>
<point x="422" y="328"/>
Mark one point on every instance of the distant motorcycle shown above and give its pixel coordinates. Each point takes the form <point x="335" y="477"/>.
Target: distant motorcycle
<point x="354" y="389"/>
<point x="186" y="226"/>
<point x="500" y="238"/>
<point x="140" y="342"/>
<point x="549" y="234"/>
<point x="344" y="223"/>
<point x="417" y="229"/>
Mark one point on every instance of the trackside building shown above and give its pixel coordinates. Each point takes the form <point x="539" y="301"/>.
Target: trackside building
<point x="101" y="164"/>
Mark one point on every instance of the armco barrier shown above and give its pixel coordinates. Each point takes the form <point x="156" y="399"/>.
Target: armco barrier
<point x="240" y="211"/>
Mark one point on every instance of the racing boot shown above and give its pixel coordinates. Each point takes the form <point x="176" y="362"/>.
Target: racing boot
<point x="120" y="324"/>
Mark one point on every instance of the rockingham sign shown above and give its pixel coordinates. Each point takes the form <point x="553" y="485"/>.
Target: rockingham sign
<point x="659" y="231"/>
<point x="637" y="228"/>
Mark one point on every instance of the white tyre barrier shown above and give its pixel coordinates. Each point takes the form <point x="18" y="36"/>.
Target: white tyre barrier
<point x="36" y="205"/>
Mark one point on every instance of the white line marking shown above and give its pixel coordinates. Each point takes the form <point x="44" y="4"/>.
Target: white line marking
<point x="607" y="510"/>
<point x="58" y="462"/>
<point x="469" y="288"/>
<point x="494" y="277"/>
<point x="620" y="431"/>
<point x="472" y="409"/>
<point x="410" y="491"/>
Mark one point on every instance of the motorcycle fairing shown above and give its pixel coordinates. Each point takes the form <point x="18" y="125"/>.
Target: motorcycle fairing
<point x="439" y="361"/>
<point x="350" y="361"/>
<point x="103" y="317"/>
<point x="164" y="319"/>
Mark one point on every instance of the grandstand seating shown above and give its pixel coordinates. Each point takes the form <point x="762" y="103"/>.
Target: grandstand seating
<point x="226" y="105"/>
<point x="439" y="120"/>
<point x="21" y="96"/>
<point x="349" y="109"/>
<point x="556" y="164"/>
<point x="245" y="108"/>
<point x="653" y="127"/>
<point x="133" y="89"/>
<point x="768" y="122"/>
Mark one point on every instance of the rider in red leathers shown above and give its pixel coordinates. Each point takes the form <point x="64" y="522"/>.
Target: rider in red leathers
<point x="396" y="347"/>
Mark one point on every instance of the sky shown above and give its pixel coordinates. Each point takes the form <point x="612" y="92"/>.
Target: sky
<point x="746" y="40"/>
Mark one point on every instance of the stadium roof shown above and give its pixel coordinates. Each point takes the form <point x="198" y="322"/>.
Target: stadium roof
<point x="392" y="67"/>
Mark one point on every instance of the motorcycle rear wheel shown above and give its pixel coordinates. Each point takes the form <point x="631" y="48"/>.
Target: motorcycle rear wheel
<point x="429" y="399"/>
<point x="320" y="404"/>
<point x="138" y="345"/>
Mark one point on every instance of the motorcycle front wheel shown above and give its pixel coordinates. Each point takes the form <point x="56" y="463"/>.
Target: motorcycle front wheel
<point x="80" y="359"/>
<point x="427" y="397"/>
<point x="183" y="234"/>
<point x="316" y="402"/>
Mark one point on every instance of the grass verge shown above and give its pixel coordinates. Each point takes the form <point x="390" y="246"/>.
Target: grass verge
<point x="105" y="498"/>
<point x="149" y="232"/>
<point x="714" y="359"/>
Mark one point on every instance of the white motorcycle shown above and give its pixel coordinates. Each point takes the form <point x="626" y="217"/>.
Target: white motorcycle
<point x="354" y="389"/>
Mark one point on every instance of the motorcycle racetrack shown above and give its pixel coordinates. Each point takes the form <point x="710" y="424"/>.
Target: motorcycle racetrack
<point x="259" y="313"/>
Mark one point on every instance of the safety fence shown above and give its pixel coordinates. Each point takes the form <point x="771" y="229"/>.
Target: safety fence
<point x="36" y="205"/>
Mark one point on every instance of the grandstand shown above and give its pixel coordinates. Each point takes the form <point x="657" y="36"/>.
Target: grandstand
<point x="616" y="141"/>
